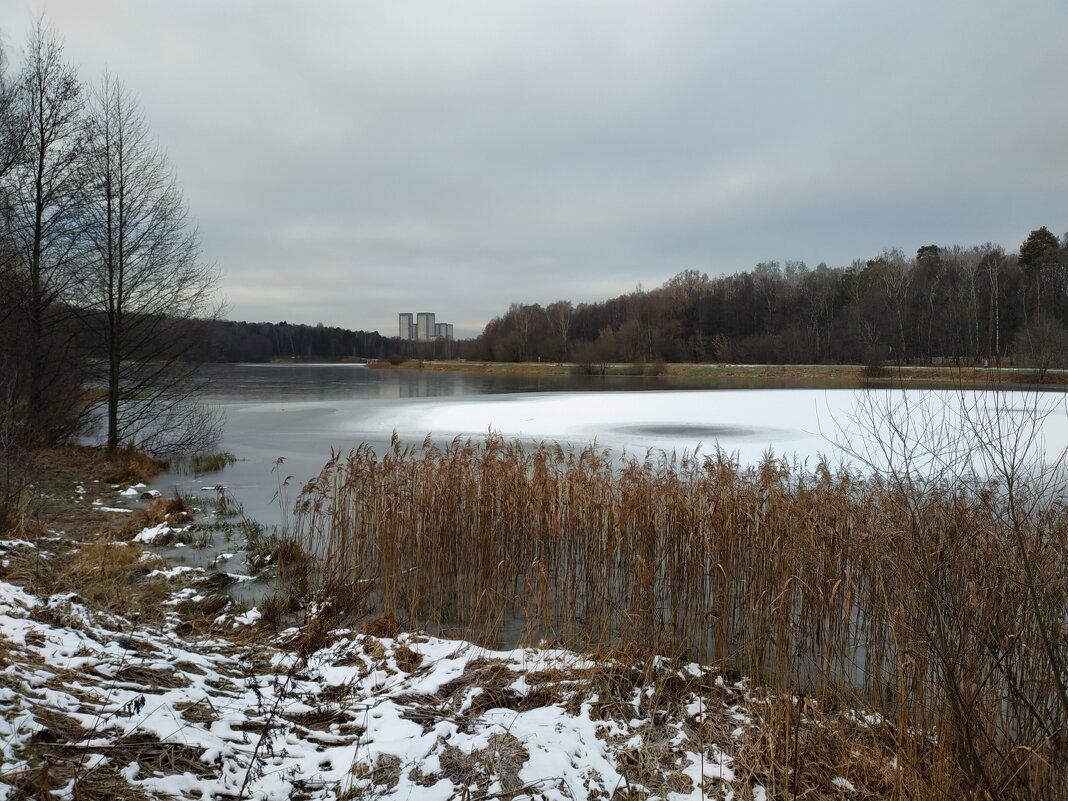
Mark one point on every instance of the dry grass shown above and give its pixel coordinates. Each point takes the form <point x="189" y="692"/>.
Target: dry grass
<point x="794" y="749"/>
<point x="407" y="660"/>
<point x="37" y="485"/>
<point x="499" y="762"/>
<point x="209" y="462"/>
<point x="102" y="784"/>
<point x="201" y="613"/>
<point x="112" y="576"/>
<point x="387" y="625"/>
<point x="174" y="511"/>
<point x="855" y="593"/>
<point x="87" y="462"/>
<point x="56" y="758"/>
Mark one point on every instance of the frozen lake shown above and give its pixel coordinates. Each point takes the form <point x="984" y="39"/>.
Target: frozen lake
<point x="300" y="412"/>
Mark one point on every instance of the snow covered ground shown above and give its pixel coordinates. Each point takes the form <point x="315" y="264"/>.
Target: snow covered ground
<point x="404" y="717"/>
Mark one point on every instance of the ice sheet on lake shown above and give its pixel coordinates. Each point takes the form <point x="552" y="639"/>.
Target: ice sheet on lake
<point x="632" y="421"/>
<point x="303" y="427"/>
<point x="796" y="423"/>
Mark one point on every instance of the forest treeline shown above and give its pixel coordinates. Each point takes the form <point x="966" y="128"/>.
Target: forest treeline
<point x="230" y="341"/>
<point x="965" y="306"/>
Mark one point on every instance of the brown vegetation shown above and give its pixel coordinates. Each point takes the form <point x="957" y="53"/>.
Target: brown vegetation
<point x="172" y="510"/>
<point x="927" y="604"/>
<point x="759" y="376"/>
<point x="88" y="462"/>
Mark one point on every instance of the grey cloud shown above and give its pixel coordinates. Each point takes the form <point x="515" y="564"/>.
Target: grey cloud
<point x="348" y="160"/>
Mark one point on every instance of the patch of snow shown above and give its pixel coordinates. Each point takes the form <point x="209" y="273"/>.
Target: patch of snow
<point x="151" y="535"/>
<point x="174" y="572"/>
<point x="248" y="618"/>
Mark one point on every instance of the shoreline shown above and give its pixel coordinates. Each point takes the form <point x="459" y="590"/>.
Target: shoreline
<point x="848" y="376"/>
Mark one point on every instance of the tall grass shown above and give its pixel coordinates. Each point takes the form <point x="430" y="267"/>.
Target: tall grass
<point x="202" y="462"/>
<point x="917" y="605"/>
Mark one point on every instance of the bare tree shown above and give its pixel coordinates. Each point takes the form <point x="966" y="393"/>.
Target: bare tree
<point x="149" y="288"/>
<point x="559" y="315"/>
<point x="43" y="222"/>
<point x="986" y="614"/>
<point x="11" y="141"/>
<point x="12" y="129"/>
<point x="893" y="278"/>
<point x="12" y="419"/>
<point x="1042" y="343"/>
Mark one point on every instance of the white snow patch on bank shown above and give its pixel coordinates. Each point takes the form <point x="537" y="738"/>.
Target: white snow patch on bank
<point x="156" y="534"/>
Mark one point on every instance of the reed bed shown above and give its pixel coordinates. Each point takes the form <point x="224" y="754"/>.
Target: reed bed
<point x="936" y="610"/>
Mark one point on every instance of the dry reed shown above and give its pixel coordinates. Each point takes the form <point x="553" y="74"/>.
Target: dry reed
<point x="915" y="605"/>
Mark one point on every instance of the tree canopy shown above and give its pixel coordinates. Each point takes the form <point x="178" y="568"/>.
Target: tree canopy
<point x="955" y="305"/>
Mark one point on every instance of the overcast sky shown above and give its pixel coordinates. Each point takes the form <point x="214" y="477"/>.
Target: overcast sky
<point x="348" y="160"/>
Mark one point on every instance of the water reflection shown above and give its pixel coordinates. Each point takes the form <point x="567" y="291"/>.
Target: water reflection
<point x="290" y="382"/>
<point x="710" y="433"/>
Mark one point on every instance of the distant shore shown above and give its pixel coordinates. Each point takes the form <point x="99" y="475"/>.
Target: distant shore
<point x="772" y="375"/>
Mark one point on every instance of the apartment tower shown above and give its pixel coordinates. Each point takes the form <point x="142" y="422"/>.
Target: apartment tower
<point x="424" y="326"/>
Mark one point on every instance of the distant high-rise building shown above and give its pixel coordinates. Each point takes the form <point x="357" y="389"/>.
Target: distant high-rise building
<point x="424" y="326"/>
